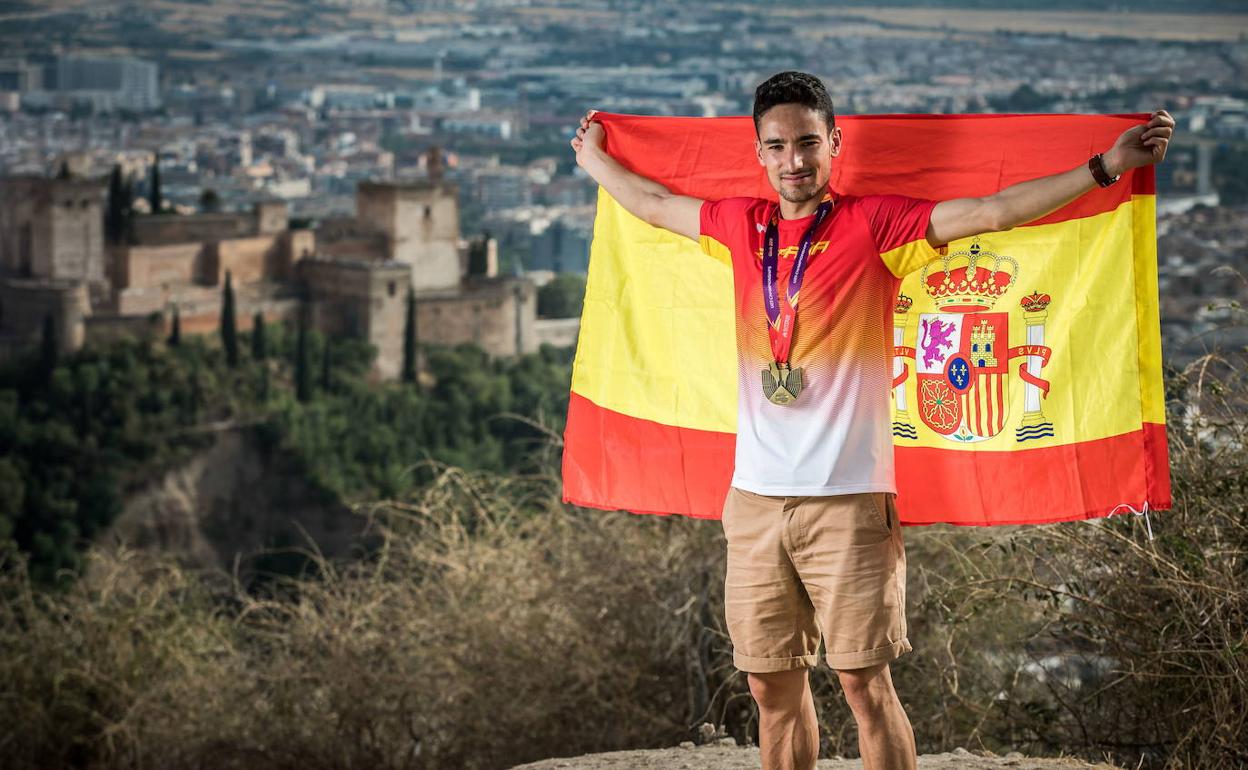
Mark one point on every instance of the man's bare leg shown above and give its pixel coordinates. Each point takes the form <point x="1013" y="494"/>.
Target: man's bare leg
<point x="788" y="731"/>
<point x="885" y="736"/>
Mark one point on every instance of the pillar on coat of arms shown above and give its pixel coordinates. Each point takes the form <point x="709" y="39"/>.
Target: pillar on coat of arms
<point x="1034" y="424"/>
<point x="903" y="425"/>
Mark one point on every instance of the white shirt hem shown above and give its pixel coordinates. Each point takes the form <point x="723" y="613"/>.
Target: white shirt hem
<point x="820" y="491"/>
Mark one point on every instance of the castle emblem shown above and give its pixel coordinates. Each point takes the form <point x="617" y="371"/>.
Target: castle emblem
<point x="961" y="355"/>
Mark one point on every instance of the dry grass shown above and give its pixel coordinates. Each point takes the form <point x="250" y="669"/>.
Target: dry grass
<point x="494" y="626"/>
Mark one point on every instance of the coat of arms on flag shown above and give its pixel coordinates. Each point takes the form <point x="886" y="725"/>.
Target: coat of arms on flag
<point x="961" y="353"/>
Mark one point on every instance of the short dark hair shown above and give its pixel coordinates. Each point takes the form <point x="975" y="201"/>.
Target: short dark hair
<point x="793" y="88"/>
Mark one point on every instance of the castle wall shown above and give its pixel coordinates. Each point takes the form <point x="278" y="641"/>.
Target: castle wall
<point x="363" y="299"/>
<point x="139" y="267"/>
<point x="172" y="228"/>
<point x="560" y="332"/>
<point x="498" y="315"/>
<point x="24" y="303"/>
<point x="144" y="272"/>
<point x="251" y="259"/>
<point x="276" y="304"/>
<point x="271" y="217"/>
<point x="362" y="247"/>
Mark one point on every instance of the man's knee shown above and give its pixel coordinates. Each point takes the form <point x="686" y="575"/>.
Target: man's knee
<point x="867" y="690"/>
<point x="779" y="690"/>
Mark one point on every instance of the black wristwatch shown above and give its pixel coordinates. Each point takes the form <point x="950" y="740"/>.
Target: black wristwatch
<point x="1097" y="165"/>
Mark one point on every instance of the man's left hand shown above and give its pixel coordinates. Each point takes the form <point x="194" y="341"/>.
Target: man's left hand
<point x="1141" y="145"/>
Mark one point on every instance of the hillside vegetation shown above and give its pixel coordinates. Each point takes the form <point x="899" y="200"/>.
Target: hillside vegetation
<point x="80" y="433"/>
<point x="493" y="625"/>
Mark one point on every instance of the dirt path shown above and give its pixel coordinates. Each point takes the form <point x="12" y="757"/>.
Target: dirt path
<point x="724" y="756"/>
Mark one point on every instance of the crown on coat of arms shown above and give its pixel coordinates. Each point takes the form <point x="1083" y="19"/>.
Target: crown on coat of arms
<point x="1035" y="302"/>
<point x="969" y="281"/>
<point x="903" y="304"/>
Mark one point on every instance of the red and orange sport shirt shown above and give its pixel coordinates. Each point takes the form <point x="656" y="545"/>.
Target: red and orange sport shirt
<point x="835" y="438"/>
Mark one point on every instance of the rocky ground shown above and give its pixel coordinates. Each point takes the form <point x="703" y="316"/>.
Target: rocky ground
<point x="725" y="754"/>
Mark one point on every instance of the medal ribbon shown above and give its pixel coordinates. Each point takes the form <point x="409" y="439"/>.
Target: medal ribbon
<point x="782" y="313"/>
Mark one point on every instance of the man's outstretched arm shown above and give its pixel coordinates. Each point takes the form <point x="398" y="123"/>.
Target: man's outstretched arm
<point x="644" y="198"/>
<point x="1024" y="202"/>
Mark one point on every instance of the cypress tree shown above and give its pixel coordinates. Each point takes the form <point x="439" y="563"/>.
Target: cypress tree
<point x="303" y="377"/>
<point x="325" y="366"/>
<point x="126" y="234"/>
<point x="259" y="345"/>
<point x="154" y="196"/>
<point x="114" y="218"/>
<point x="49" y="349"/>
<point x="229" y="329"/>
<point x="409" y="339"/>
<point x="197" y="390"/>
<point x="175" y="333"/>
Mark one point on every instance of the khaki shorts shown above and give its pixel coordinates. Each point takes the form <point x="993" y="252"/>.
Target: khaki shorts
<point x="798" y="565"/>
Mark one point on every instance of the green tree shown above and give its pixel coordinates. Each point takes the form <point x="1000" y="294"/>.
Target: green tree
<point x="127" y="234"/>
<point x="115" y="207"/>
<point x="325" y="367"/>
<point x="409" y="339"/>
<point x="562" y="297"/>
<point x="259" y="346"/>
<point x="1023" y="99"/>
<point x="175" y="331"/>
<point x="209" y="201"/>
<point x="12" y="499"/>
<point x="49" y="349"/>
<point x="229" y="327"/>
<point x="154" y="192"/>
<point x="303" y="377"/>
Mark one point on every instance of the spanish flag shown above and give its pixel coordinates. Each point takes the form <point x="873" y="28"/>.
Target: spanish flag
<point x="1037" y="401"/>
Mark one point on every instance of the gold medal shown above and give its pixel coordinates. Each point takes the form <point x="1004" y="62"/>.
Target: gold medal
<point x="781" y="384"/>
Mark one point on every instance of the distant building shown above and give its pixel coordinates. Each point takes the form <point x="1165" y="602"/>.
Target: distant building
<point x="562" y="248"/>
<point x="504" y="187"/>
<point x="106" y="83"/>
<point x="353" y="274"/>
<point x="19" y="76"/>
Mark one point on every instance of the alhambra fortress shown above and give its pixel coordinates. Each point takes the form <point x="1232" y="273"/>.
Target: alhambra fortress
<point x="351" y="274"/>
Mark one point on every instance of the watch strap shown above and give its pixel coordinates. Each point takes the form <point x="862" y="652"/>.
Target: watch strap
<point x="1097" y="166"/>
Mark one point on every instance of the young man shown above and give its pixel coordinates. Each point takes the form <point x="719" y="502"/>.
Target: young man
<point x="814" y="543"/>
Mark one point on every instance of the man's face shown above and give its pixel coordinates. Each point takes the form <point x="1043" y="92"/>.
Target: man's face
<point x="795" y="147"/>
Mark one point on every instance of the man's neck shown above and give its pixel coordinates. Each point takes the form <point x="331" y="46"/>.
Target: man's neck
<point x="790" y="210"/>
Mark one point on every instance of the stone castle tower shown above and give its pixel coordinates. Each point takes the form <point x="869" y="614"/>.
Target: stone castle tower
<point x="51" y="257"/>
<point x="420" y="220"/>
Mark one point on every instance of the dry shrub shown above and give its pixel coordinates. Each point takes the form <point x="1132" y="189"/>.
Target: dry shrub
<point x="1089" y="637"/>
<point x="95" y="672"/>
<point x="494" y="625"/>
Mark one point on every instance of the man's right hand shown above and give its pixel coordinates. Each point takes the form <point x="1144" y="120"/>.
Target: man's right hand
<point x="644" y="198"/>
<point x="588" y="137"/>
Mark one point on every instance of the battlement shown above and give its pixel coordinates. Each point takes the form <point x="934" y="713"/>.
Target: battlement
<point x="265" y="218"/>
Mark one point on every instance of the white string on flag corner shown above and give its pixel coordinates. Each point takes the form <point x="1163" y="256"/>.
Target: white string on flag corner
<point x="1143" y="511"/>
